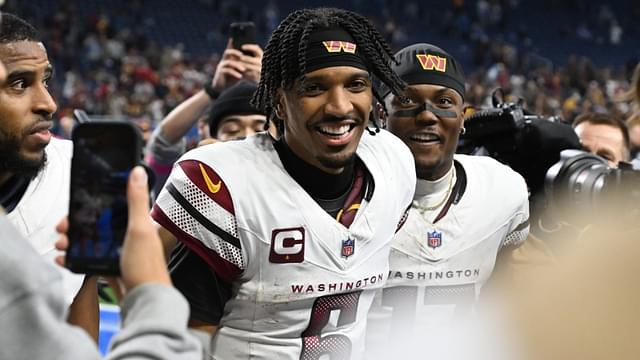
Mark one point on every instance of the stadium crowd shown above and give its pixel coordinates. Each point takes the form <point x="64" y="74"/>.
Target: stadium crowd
<point x="107" y="64"/>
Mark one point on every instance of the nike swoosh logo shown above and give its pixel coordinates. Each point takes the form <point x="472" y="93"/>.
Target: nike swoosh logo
<point x="214" y="188"/>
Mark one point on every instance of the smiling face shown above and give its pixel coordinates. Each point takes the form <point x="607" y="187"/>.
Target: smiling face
<point x="25" y="108"/>
<point x="325" y="116"/>
<point x="432" y="139"/>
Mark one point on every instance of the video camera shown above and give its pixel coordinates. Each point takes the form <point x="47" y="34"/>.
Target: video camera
<point x="529" y="144"/>
<point x="546" y="153"/>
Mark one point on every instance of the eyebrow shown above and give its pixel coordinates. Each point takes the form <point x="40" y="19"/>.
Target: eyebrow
<point x="232" y="118"/>
<point x="29" y="74"/>
<point x="358" y="74"/>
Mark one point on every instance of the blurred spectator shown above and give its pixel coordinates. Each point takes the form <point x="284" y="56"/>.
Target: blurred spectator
<point x="154" y="313"/>
<point x="167" y="144"/>
<point x="634" y="136"/>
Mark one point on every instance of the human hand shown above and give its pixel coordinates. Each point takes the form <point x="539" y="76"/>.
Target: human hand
<point x="252" y="62"/>
<point x="235" y="65"/>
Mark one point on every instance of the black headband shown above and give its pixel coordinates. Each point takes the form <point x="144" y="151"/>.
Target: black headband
<point x="332" y="47"/>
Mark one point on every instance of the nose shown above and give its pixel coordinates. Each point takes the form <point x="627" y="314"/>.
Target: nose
<point x="426" y="117"/>
<point x="248" y="131"/>
<point x="43" y="101"/>
<point x="338" y="103"/>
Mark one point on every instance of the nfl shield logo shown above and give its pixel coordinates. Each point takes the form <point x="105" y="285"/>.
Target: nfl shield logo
<point x="348" y="247"/>
<point x="434" y="239"/>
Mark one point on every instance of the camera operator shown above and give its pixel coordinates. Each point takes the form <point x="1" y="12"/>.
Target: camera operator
<point x="603" y="135"/>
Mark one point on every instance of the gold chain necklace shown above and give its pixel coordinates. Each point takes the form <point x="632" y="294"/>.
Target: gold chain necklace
<point x="424" y="209"/>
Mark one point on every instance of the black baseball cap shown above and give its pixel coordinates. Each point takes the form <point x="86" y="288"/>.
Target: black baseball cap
<point x="427" y="64"/>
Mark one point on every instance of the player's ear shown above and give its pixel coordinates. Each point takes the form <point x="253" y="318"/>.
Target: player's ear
<point x="381" y="115"/>
<point x="280" y="105"/>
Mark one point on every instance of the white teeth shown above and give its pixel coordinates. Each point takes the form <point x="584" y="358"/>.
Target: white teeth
<point x="335" y="130"/>
<point x="425" y="137"/>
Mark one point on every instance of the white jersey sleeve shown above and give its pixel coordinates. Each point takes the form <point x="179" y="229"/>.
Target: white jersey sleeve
<point x="196" y="207"/>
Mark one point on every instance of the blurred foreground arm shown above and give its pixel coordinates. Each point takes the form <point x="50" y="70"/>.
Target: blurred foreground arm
<point x="154" y="314"/>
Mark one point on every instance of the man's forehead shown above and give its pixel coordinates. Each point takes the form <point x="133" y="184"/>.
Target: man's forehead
<point x="21" y="51"/>
<point x="599" y="131"/>
<point x="244" y="117"/>
<point x="331" y="71"/>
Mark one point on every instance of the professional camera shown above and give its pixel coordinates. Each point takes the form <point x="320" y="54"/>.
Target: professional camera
<point x="528" y="143"/>
<point x="566" y="185"/>
<point x="583" y="185"/>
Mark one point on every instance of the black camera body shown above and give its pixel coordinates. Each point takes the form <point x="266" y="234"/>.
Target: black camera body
<point x="566" y="185"/>
<point x="528" y="143"/>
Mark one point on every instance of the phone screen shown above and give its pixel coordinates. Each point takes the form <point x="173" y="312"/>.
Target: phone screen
<point x="103" y="156"/>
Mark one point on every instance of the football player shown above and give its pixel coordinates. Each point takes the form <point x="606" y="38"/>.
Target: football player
<point x="34" y="167"/>
<point x="465" y="211"/>
<point x="283" y="242"/>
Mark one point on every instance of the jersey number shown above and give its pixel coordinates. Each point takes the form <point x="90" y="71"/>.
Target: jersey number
<point x="403" y="300"/>
<point x="336" y="346"/>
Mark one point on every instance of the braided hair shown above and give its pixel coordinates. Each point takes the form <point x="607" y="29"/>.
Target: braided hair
<point x="284" y="59"/>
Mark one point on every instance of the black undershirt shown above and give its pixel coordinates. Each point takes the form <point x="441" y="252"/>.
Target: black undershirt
<point x="12" y="191"/>
<point x="208" y="295"/>
<point x="317" y="183"/>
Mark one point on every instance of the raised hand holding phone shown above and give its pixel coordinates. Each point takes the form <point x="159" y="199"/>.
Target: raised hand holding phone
<point x="103" y="156"/>
<point x="242" y="58"/>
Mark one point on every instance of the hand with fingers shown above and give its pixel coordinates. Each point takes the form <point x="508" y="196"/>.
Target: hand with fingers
<point x="236" y="65"/>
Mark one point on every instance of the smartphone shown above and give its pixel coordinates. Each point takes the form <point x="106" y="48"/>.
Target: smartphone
<point x="242" y="33"/>
<point x="103" y="155"/>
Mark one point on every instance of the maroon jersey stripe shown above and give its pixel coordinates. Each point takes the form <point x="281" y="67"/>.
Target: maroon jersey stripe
<point x="354" y="198"/>
<point x="209" y="182"/>
<point x="225" y="269"/>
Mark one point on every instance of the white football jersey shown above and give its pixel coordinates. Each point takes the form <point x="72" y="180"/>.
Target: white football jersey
<point x="302" y="282"/>
<point x="44" y="204"/>
<point x="437" y="270"/>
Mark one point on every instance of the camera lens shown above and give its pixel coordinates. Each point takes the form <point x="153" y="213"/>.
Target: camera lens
<point x="576" y="180"/>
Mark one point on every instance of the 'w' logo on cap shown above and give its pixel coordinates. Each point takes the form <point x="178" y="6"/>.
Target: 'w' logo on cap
<point x="432" y="62"/>
<point x="334" y="46"/>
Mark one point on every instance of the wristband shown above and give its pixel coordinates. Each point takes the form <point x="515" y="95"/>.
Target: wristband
<point x="213" y="93"/>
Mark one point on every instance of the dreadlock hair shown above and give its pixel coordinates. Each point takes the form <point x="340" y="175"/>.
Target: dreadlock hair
<point x="284" y="59"/>
<point x="14" y="29"/>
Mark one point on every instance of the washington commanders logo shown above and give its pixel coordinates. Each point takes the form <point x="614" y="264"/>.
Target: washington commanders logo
<point x="287" y="246"/>
<point x="335" y="46"/>
<point x="432" y="62"/>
